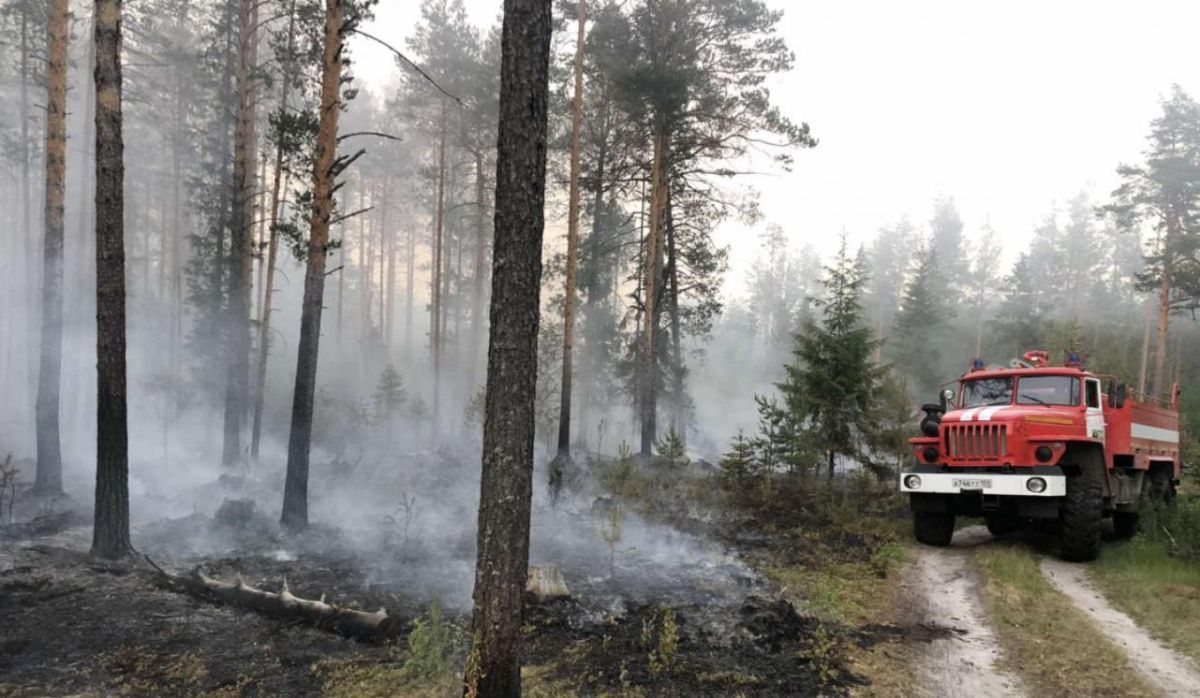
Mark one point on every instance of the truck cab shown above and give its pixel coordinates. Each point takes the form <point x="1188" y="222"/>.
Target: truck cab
<point x="1034" y="442"/>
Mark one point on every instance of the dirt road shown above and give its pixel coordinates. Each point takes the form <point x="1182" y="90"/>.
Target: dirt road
<point x="967" y="662"/>
<point x="1170" y="672"/>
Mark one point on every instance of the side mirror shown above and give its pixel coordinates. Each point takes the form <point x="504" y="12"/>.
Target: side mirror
<point x="1117" y="393"/>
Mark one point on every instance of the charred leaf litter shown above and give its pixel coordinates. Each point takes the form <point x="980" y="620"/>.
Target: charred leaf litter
<point x="661" y="610"/>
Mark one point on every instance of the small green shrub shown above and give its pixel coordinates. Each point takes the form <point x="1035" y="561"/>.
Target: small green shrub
<point x="433" y="645"/>
<point x="662" y="659"/>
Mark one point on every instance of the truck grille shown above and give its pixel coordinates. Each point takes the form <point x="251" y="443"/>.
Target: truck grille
<point x="976" y="441"/>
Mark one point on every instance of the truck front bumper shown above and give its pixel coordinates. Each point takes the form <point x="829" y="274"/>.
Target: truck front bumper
<point x="993" y="484"/>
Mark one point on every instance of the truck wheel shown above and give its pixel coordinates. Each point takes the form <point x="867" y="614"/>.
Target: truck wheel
<point x="933" y="527"/>
<point x="1082" y="517"/>
<point x="1125" y="524"/>
<point x="1161" y="487"/>
<point x="1000" y="525"/>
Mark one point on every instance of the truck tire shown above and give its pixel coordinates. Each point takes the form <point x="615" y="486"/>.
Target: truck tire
<point x="1082" y="518"/>
<point x="933" y="527"/>
<point x="1161" y="488"/>
<point x="1125" y="524"/>
<point x="1000" y="525"/>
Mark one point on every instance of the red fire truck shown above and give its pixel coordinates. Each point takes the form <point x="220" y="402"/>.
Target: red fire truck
<point x="1037" y="442"/>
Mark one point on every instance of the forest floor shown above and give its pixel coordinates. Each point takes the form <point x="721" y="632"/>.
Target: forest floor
<point x="663" y="610"/>
<point x="787" y="590"/>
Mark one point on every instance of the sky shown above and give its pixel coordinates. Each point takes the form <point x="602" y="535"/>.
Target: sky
<point x="1009" y="108"/>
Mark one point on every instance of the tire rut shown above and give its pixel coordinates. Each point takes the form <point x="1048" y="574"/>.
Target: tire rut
<point x="967" y="662"/>
<point x="1170" y="672"/>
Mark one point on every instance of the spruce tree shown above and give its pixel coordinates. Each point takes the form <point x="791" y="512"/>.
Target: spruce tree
<point x="1019" y="322"/>
<point x="923" y="311"/>
<point x="829" y="390"/>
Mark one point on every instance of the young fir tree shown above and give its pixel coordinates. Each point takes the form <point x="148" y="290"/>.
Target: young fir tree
<point x="829" y="391"/>
<point x="671" y="449"/>
<point x="924" y="310"/>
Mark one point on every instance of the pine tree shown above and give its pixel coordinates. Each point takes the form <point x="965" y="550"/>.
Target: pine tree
<point x="1164" y="194"/>
<point x="502" y="561"/>
<point x="924" y="309"/>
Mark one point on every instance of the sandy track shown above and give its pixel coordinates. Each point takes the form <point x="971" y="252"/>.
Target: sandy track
<point x="967" y="662"/>
<point x="1170" y="672"/>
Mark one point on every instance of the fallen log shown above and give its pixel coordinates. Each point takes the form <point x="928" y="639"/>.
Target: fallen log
<point x="348" y="622"/>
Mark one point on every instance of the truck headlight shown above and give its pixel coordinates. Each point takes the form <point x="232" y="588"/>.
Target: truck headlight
<point x="912" y="482"/>
<point x="1044" y="454"/>
<point x="930" y="455"/>
<point x="1036" y="485"/>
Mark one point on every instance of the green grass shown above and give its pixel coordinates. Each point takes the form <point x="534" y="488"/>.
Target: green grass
<point x="1160" y="592"/>
<point x="1052" y="645"/>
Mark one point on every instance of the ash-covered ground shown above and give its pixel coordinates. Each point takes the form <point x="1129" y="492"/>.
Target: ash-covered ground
<point x="652" y="608"/>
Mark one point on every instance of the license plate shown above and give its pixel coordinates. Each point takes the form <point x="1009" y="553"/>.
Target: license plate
<point x="973" y="483"/>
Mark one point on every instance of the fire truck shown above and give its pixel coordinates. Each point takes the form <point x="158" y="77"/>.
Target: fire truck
<point x="1032" y="443"/>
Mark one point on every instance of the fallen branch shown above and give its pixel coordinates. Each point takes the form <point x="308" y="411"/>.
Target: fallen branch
<point x="348" y="622"/>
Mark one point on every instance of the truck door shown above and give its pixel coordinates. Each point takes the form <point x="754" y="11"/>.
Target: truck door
<point x="1095" y="413"/>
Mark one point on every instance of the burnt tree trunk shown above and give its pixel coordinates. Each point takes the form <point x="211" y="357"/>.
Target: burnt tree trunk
<point x="508" y="431"/>
<point x="295" y="492"/>
<point x="564" y="410"/>
<point x="110" y="534"/>
<point x="49" y="451"/>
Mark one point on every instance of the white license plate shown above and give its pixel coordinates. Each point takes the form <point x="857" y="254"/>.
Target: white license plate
<point x="973" y="483"/>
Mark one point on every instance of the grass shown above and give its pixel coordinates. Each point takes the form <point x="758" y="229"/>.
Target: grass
<point x="1052" y="645"/>
<point x="1160" y="592"/>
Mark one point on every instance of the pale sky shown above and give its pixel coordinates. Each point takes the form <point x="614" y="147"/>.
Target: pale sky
<point x="1010" y="108"/>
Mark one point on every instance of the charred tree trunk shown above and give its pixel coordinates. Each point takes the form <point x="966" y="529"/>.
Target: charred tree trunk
<point x="508" y="432"/>
<point x="110" y="534"/>
<point x="564" y="413"/>
<point x="295" y="493"/>
<point x="49" y="452"/>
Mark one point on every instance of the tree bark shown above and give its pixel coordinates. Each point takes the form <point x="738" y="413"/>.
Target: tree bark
<point x="435" y="314"/>
<point x="295" y="493"/>
<point x="506" y="486"/>
<point x="110" y="534"/>
<point x="647" y="387"/>
<point x="238" y="370"/>
<point x="268" y="291"/>
<point x="1163" y="328"/>
<point x="49" y="451"/>
<point x="680" y="421"/>
<point x="480" y="272"/>
<point x="564" y="410"/>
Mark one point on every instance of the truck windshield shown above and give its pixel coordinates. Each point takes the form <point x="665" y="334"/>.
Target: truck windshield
<point x="987" y="391"/>
<point x="1048" y="390"/>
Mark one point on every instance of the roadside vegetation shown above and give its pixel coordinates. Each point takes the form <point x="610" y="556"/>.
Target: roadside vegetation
<point x="1155" y="578"/>
<point x="1045" y="639"/>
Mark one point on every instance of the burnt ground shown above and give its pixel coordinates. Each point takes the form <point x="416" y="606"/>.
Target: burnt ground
<point x="673" y="616"/>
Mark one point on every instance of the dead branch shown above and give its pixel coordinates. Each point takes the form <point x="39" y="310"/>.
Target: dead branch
<point x="348" y="622"/>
